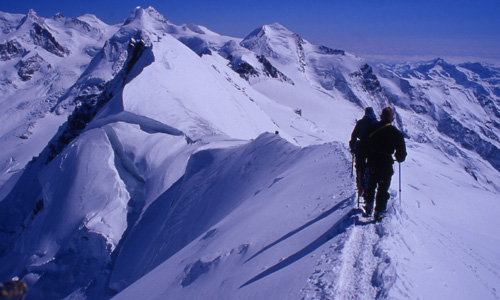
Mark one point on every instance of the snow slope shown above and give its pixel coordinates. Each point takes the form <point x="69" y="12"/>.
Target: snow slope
<point x="40" y="59"/>
<point x="173" y="162"/>
<point x="233" y="213"/>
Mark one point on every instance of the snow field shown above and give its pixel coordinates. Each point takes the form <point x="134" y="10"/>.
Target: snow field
<point x="445" y="228"/>
<point x="244" y="251"/>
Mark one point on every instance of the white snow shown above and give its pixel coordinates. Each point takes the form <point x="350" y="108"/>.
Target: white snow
<point x="193" y="182"/>
<point x="25" y="105"/>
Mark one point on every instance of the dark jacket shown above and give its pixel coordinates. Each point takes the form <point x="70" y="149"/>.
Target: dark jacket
<point x="360" y="131"/>
<point x="382" y="141"/>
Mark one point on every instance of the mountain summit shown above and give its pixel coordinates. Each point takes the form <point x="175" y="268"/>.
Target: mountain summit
<point x="274" y="41"/>
<point x="142" y="15"/>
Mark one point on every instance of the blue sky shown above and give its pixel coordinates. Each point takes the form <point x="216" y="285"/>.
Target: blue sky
<point x="374" y="29"/>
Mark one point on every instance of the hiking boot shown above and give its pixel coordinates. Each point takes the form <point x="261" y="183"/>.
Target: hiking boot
<point x="367" y="211"/>
<point x="378" y="216"/>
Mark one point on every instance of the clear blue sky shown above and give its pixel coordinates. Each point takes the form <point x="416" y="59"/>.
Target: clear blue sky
<point x="369" y="28"/>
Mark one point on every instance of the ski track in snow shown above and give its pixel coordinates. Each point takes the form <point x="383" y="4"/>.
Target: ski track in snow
<point x="351" y="267"/>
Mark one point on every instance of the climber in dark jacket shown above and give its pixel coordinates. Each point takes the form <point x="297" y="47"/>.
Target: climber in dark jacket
<point x="382" y="141"/>
<point x="357" y="138"/>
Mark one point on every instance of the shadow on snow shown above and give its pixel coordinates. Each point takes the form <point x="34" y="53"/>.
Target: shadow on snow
<point x="338" y="228"/>
<point x="340" y="205"/>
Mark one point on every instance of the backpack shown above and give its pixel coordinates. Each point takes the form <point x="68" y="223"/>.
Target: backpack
<point x="364" y="124"/>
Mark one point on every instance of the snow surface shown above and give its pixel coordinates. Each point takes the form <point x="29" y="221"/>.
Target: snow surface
<point x="159" y="161"/>
<point x="25" y="105"/>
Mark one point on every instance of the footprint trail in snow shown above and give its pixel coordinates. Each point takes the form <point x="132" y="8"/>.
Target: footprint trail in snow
<point x="354" y="267"/>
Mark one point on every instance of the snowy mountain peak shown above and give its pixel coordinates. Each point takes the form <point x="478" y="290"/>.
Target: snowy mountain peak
<point x="33" y="17"/>
<point x="58" y="16"/>
<point x="274" y="41"/>
<point x="93" y="20"/>
<point x="140" y="14"/>
<point x="34" y="30"/>
<point x="30" y="20"/>
<point x="274" y="28"/>
<point x="439" y="61"/>
<point x="266" y="32"/>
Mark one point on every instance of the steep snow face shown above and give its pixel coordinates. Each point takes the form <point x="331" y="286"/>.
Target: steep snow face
<point x="247" y="197"/>
<point x="283" y="67"/>
<point x="209" y="108"/>
<point x="41" y="58"/>
<point x="99" y="210"/>
<point x="73" y="212"/>
<point x="9" y="22"/>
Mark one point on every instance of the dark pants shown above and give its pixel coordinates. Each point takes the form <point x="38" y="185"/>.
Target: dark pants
<point x="379" y="179"/>
<point x="361" y="179"/>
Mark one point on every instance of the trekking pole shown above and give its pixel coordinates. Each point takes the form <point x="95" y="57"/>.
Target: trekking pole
<point x="352" y="165"/>
<point x="352" y="172"/>
<point x="399" y="184"/>
<point x="358" y="199"/>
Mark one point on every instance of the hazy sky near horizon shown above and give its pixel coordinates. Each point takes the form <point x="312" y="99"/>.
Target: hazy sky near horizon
<point x="374" y="29"/>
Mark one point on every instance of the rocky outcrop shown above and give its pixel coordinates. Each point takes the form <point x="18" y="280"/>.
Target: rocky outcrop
<point x="27" y="68"/>
<point x="11" y="49"/>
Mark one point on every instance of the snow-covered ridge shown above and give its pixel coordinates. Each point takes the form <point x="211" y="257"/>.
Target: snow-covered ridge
<point x="147" y="159"/>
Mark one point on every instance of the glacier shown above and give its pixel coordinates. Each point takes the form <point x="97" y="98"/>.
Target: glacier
<point x="162" y="161"/>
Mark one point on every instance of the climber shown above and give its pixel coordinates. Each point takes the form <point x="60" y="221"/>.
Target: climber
<point x="382" y="141"/>
<point x="357" y="139"/>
